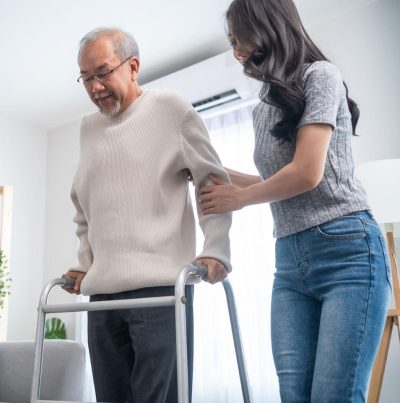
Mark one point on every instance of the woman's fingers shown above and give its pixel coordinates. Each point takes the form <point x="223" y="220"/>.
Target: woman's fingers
<point x="212" y="207"/>
<point x="220" y="198"/>
<point x="205" y="197"/>
<point x="209" y="209"/>
<point x="207" y="201"/>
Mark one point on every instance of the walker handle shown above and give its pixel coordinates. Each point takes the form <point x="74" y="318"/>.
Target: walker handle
<point x="202" y="270"/>
<point x="69" y="281"/>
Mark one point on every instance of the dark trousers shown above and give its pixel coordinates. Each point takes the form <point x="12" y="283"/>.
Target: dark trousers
<point x="133" y="351"/>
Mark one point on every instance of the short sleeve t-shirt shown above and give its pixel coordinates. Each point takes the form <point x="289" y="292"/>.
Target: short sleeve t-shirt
<point x="339" y="192"/>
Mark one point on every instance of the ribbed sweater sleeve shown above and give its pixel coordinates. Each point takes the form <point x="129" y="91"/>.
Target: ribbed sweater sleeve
<point x="202" y="160"/>
<point x="85" y="254"/>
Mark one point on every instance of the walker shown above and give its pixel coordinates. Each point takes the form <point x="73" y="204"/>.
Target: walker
<point x="178" y="300"/>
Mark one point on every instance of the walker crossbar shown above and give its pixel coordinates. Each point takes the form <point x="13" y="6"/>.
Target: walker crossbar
<point x="178" y="300"/>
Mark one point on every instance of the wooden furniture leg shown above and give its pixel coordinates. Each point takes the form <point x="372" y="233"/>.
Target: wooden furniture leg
<point x="392" y="319"/>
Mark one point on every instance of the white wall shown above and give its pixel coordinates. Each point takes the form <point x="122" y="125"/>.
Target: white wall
<point x="366" y="46"/>
<point x="23" y="166"/>
<point x="60" y="240"/>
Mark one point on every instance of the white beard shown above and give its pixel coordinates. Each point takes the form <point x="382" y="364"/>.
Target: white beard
<point x="114" y="110"/>
<point x="111" y="111"/>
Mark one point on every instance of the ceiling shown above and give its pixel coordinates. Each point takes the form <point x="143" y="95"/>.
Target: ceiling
<point x="39" y="41"/>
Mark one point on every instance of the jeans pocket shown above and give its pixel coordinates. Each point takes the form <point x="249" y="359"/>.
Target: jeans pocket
<point x="346" y="227"/>
<point x="386" y="259"/>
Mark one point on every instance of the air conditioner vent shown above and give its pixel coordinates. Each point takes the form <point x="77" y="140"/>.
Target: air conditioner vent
<point x="216" y="100"/>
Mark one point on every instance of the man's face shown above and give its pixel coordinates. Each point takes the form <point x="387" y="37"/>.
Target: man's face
<point x="115" y="93"/>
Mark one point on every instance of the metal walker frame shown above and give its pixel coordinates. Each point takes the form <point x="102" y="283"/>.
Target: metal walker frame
<point x="178" y="300"/>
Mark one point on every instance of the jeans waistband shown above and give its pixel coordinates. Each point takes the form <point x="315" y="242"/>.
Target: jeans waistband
<point x="361" y="214"/>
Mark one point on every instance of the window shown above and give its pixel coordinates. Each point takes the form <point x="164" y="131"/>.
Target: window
<point x="216" y="376"/>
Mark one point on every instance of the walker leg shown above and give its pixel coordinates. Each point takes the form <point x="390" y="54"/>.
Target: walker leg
<point x="181" y="336"/>
<point x="37" y="366"/>
<point x="237" y="342"/>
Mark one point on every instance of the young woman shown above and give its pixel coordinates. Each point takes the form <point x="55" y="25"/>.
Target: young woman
<point x="331" y="284"/>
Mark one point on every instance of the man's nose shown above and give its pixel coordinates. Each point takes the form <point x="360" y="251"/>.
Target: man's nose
<point x="97" y="85"/>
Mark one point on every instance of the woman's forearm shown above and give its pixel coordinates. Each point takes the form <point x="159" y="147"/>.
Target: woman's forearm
<point x="242" y="180"/>
<point x="286" y="183"/>
<point x="299" y="176"/>
<point x="221" y="197"/>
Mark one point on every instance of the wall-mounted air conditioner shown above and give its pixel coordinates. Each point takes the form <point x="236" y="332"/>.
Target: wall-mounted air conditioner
<point x="213" y="86"/>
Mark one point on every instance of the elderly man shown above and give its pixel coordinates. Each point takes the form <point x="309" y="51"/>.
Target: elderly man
<point x="134" y="218"/>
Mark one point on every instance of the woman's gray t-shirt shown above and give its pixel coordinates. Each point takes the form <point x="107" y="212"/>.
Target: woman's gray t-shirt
<point x="339" y="192"/>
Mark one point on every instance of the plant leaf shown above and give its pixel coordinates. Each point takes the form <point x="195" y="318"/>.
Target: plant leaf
<point x="55" y="329"/>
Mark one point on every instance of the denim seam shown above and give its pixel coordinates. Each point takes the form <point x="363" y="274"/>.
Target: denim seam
<point x="355" y="235"/>
<point x="305" y="262"/>
<point x="386" y="259"/>
<point x="301" y="271"/>
<point x="365" y="318"/>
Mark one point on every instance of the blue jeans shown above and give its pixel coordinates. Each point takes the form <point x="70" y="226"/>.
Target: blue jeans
<point x="329" y="305"/>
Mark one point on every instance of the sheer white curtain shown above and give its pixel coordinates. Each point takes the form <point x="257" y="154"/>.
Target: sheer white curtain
<point x="216" y="376"/>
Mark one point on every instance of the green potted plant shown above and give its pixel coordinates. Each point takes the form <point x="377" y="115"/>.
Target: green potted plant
<point x="5" y="280"/>
<point x="55" y="329"/>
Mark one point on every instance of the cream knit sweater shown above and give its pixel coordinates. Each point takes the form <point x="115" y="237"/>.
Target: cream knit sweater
<point x="134" y="216"/>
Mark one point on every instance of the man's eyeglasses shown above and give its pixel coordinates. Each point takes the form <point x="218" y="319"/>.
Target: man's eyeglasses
<point x="101" y="76"/>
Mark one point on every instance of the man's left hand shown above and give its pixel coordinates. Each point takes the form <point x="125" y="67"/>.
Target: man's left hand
<point x="216" y="270"/>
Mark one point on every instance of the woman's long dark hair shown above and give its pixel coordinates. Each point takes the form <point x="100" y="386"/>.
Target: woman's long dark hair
<point x="282" y="49"/>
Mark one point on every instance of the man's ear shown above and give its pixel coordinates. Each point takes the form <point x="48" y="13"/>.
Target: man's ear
<point x="134" y="65"/>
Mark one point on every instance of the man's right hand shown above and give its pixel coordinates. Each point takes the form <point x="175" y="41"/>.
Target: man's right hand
<point x="78" y="276"/>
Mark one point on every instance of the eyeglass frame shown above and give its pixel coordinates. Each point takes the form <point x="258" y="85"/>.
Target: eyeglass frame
<point x="100" y="76"/>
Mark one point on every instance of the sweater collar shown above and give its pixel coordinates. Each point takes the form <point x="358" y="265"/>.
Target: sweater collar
<point x="129" y="110"/>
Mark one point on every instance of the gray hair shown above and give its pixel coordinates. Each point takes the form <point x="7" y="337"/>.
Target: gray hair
<point x="123" y="42"/>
